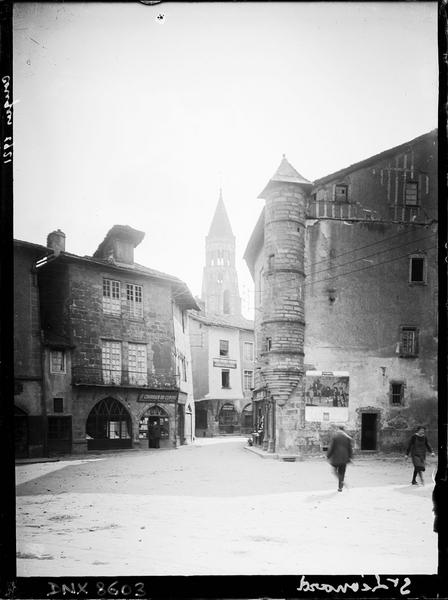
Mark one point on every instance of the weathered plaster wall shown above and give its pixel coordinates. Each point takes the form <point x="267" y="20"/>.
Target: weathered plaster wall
<point x="199" y="358"/>
<point x="182" y="350"/>
<point x="27" y="340"/>
<point x="354" y="320"/>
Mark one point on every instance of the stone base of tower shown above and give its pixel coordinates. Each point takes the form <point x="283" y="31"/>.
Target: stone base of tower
<point x="293" y="436"/>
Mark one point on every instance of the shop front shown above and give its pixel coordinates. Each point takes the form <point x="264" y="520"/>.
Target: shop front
<point x="155" y="425"/>
<point x="109" y="426"/>
<point x="228" y="419"/>
<point x="161" y="419"/>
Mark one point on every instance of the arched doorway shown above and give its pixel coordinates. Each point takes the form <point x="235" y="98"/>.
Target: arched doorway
<point x="247" y="419"/>
<point x="20" y="433"/>
<point x="228" y="419"/>
<point x="109" y="426"/>
<point x="155" y="417"/>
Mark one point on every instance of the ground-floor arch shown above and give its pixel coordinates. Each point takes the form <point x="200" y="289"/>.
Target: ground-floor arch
<point x="247" y="419"/>
<point x="109" y="426"/>
<point x="229" y="420"/>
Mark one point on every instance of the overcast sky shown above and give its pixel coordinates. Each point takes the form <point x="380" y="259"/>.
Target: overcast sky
<point x="134" y="114"/>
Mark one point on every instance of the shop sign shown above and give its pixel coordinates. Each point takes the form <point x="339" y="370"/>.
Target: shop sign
<point x="159" y="396"/>
<point x="224" y="362"/>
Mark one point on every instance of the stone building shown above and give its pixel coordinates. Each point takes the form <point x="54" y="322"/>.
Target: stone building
<point x="115" y="357"/>
<point x="222" y="340"/>
<point x="29" y="410"/>
<point x="345" y="272"/>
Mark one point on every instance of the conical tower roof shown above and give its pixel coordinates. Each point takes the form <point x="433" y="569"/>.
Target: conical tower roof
<point x="220" y="226"/>
<point x="285" y="174"/>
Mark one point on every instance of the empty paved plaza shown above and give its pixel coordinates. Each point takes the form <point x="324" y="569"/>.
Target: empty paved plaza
<point x="214" y="508"/>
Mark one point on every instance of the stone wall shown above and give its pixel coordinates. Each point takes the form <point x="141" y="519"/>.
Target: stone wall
<point x="282" y="324"/>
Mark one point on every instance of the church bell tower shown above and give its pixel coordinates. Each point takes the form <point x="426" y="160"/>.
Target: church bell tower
<point x="220" y="291"/>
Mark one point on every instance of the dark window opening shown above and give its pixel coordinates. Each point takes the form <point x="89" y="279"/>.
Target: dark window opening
<point x="417" y="269"/>
<point x="58" y="405"/>
<point x="225" y="378"/>
<point x="268" y="344"/>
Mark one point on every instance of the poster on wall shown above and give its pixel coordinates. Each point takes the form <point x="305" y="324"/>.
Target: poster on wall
<point x="327" y="388"/>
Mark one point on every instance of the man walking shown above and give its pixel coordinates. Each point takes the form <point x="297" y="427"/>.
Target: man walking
<point x="340" y="452"/>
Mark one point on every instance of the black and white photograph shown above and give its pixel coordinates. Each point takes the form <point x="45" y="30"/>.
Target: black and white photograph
<point x="225" y="251"/>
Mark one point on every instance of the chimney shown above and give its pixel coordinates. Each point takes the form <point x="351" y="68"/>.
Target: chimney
<point x="56" y="241"/>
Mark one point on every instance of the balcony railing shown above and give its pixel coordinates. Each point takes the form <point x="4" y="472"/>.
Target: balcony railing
<point x="326" y="209"/>
<point x="82" y="375"/>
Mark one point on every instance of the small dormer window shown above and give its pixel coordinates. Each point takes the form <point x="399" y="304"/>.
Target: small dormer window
<point x="341" y="192"/>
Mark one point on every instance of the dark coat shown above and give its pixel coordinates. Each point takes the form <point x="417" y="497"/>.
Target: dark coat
<point x="418" y="444"/>
<point x="340" y="451"/>
<point x="156" y="432"/>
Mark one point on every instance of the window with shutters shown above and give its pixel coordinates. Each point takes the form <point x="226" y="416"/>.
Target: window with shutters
<point x="111" y="361"/>
<point x="134" y="299"/>
<point x="411" y="193"/>
<point x="248" y="380"/>
<point x="137" y="364"/>
<point x="408" y="341"/>
<point x="111" y="297"/>
<point x="248" y="352"/>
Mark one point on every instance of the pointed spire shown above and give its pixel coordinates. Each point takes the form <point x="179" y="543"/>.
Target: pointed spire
<point x="220" y="226"/>
<point x="286" y="174"/>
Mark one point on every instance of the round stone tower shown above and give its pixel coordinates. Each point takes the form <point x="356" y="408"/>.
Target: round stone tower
<point x="283" y="318"/>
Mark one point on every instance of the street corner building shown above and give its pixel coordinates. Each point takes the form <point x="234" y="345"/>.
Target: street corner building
<point x="101" y="349"/>
<point x="222" y="340"/>
<point x="345" y="273"/>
